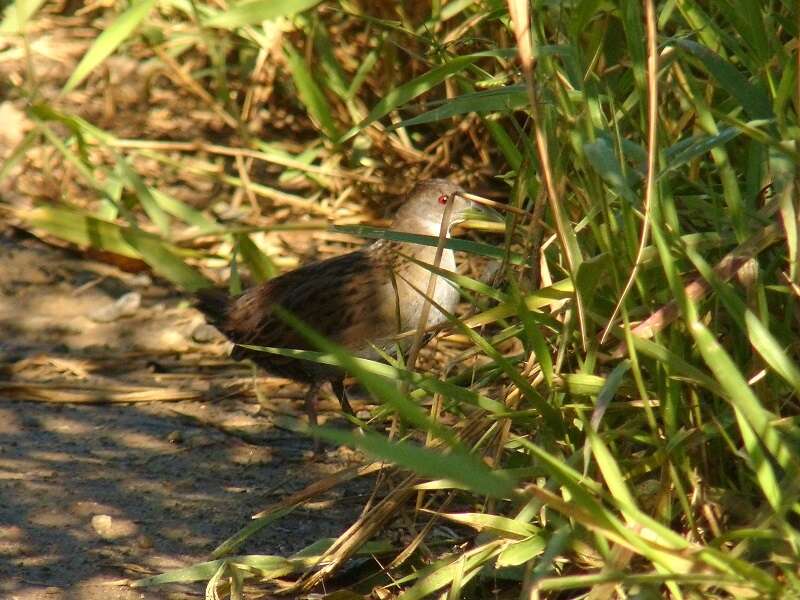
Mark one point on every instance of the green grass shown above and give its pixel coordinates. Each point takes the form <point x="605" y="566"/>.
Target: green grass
<point x="638" y="436"/>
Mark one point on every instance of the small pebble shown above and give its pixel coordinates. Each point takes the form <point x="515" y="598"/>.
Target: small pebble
<point x="141" y="280"/>
<point x="171" y="339"/>
<point x="175" y="437"/>
<point x="200" y="440"/>
<point x="103" y="525"/>
<point x="124" y="306"/>
<point x="111" y="529"/>
<point x="205" y="333"/>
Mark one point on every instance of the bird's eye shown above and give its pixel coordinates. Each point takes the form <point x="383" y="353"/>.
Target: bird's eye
<point x="443" y="199"/>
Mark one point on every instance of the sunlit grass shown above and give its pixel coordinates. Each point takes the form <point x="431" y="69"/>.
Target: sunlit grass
<point x="589" y="440"/>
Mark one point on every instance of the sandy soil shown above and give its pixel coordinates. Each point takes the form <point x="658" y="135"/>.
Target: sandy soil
<point x="95" y="494"/>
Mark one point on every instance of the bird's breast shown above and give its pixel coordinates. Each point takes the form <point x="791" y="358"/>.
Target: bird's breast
<point x="403" y="294"/>
<point x="388" y="299"/>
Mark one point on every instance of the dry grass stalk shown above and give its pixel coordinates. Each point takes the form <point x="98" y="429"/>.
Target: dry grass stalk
<point x="729" y="266"/>
<point x="69" y="393"/>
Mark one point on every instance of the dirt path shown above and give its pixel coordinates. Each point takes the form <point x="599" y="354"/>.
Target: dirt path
<point x="91" y="494"/>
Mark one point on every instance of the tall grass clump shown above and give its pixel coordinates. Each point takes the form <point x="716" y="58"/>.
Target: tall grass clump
<point x="617" y="416"/>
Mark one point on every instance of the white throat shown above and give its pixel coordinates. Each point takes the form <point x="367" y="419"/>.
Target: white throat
<point x="422" y="227"/>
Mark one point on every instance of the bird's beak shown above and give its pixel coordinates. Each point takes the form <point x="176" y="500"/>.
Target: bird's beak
<point x="482" y="213"/>
<point x="477" y="210"/>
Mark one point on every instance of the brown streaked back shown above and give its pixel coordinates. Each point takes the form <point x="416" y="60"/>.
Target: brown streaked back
<point x="338" y="297"/>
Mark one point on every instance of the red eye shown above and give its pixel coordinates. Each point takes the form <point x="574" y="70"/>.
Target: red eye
<point x="443" y="199"/>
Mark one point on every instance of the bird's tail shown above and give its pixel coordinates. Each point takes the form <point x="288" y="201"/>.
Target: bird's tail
<point x="213" y="303"/>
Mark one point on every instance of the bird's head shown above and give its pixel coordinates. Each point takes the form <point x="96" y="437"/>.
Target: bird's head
<point x="426" y="205"/>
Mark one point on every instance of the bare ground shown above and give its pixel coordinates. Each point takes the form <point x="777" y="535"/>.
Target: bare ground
<point x="93" y="494"/>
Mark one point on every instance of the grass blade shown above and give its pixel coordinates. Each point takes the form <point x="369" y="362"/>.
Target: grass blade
<point x="310" y="93"/>
<point x="505" y="99"/>
<point x="457" y="465"/>
<point x="410" y="90"/>
<point x="261" y="266"/>
<point x="258" y="11"/>
<point x="108" y="41"/>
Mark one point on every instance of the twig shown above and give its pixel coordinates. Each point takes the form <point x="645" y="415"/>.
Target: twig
<point x="243" y="152"/>
<point x="725" y="269"/>
<point x="652" y="140"/>
<point x="65" y="394"/>
<point x="520" y="17"/>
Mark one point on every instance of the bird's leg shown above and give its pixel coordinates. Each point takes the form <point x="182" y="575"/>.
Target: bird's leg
<point x="341" y="395"/>
<point x="312" y="395"/>
<point x="311" y="403"/>
<point x="427" y="337"/>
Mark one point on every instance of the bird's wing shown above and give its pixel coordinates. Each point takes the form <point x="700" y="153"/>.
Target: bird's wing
<point x="340" y="298"/>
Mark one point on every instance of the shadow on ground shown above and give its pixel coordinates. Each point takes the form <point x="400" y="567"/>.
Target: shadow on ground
<point x="98" y="493"/>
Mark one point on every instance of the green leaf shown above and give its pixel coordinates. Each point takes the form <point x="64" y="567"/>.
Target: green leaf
<point x="580" y="384"/>
<point x="534" y="301"/>
<point x="393" y="373"/>
<point x="310" y="94"/>
<point x="271" y="566"/>
<point x="612" y="474"/>
<point x="744" y="400"/>
<point x="367" y="64"/>
<point x="603" y="159"/>
<point x="145" y="197"/>
<point x="551" y="416"/>
<point x="679" y="154"/>
<point x="185" y="213"/>
<point x="753" y="98"/>
<point x="504" y="99"/>
<point x="79" y="126"/>
<point x="233" y="543"/>
<point x="410" y="90"/>
<point x="603" y="400"/>
<point x="16" y="15"/>
<point x="261" y="266"/>
<point x="254" y="13"/>
<point x="380" y="387"/>
<point x="678" y="366"/>
<point x="503" y="526"/>
<point x="108" y="41"/>
<point x="531" y="327"/>
<point x="785" y="172"/>
<point x="77" y="159"/>
<point x="335" y="77"/>
<point x="456" y="465"/>
<point x="521" y="552"/>
<point x="443" y="572"/>
<point x="198" y="572"/>
<point x="18" y="153"/>
<point x="76" y="227"/>
<point x="759" y="335"/>
<point x="164" y="261"/>
<point x="477" y="248"/>
<point x="314" y="551"/>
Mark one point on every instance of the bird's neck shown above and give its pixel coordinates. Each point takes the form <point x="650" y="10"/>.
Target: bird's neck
<point x="419" y="226"/>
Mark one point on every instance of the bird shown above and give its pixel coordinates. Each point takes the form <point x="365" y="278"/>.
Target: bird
<point x="360" y="300"/>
